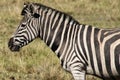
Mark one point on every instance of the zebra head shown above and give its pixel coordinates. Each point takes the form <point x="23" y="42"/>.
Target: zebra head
<point x="28" y="28"/>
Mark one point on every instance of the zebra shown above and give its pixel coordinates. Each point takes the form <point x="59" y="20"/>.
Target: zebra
<point x="82" y="49"/>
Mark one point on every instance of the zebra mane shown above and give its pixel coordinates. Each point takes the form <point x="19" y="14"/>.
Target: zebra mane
<point x="29" y="9"/>
<point x="61" y="12"/>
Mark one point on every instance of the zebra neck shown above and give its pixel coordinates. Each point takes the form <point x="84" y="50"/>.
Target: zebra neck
<point x="59" y="39"/>
<point x="56" y="29"/>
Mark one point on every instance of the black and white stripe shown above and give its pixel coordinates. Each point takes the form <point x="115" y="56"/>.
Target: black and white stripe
<point x="82" y="49"/>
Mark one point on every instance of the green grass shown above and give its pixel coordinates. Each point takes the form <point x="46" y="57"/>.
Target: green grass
<point x="36" y="61"/>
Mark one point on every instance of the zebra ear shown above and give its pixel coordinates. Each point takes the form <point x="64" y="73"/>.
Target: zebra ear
<point x="34" y="10"/>
<point x="26" y="3"/>
<point x="30" y="8"/>
<point x="24" y="11"/>
<point x="36" y="15"/>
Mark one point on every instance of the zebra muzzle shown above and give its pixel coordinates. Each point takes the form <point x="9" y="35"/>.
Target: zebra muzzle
<point x="11" y="45"/>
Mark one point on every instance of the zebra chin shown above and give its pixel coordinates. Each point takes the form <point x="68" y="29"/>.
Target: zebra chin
<point x="13" y="47"/>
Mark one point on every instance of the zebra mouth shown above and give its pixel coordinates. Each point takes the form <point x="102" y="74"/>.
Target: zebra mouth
<point x="13" y="47"/>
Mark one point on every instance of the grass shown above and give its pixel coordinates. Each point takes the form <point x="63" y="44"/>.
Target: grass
<point x="36" y="61"/>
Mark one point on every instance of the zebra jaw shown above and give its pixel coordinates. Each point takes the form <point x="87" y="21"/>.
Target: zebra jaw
<point x="13" y="47"/>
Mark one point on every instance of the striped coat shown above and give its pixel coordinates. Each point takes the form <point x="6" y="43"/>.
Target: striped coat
<point x="82" y="49"/>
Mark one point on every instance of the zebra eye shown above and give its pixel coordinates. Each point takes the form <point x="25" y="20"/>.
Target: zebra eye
<point x="23" y="25"/>
<point x="36" y="15"/>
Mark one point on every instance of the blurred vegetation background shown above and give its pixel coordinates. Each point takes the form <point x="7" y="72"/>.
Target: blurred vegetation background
<point x="36" y="61"/>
